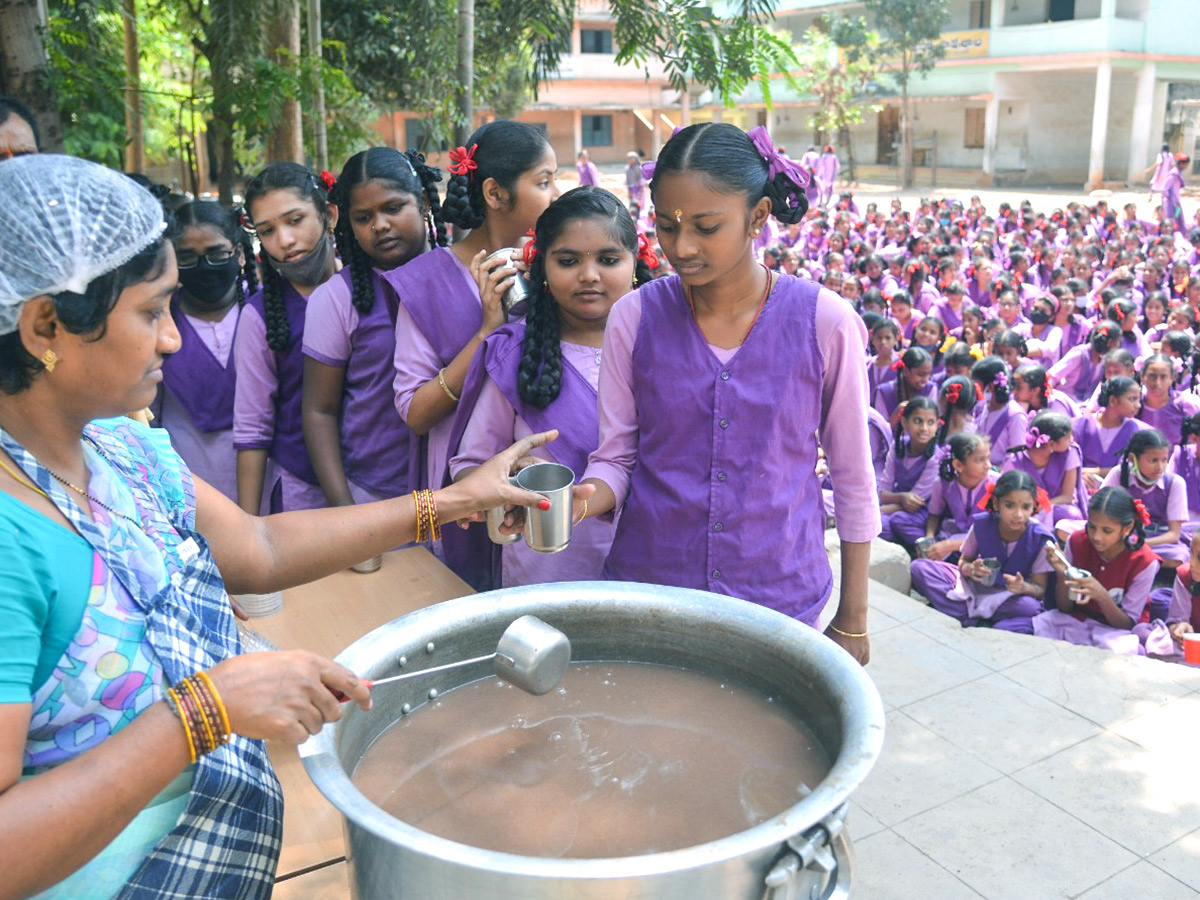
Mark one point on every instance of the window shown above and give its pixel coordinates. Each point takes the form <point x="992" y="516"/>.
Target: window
<point x="979" y="14"/>
<point x="975" y="128"/>
<point x="597" y="131"/>
<point x="418" y="135"/>
<point x="595" y="40"/>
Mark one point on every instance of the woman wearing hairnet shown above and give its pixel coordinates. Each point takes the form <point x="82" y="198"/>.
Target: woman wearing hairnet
<point x="131" y="756"/>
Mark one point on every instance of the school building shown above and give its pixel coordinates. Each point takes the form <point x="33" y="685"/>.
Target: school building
<point x="1038" y="92"/>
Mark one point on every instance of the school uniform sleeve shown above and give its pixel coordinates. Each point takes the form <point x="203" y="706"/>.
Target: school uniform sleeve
<point x="1113" y="478"/>
<point x="1181" y="603"/>
<point x="1138" y="591"/>
<point x="937" y="500"/>
<point x="257" y="384"/>
<point x="1065" y="372"/>
<point x="1041" y="564"/>
<point x="416" y="362"/>
<point x="1015" y="430"/>
<point x="970" y="546"/>
<point x="1177" y="501"/>
<point x="613" y="459"/>
<point x="841" y="337"/>
<point x="493" y="425"/>
<point x="929" y="476"/>
<point x="329" y="320"/>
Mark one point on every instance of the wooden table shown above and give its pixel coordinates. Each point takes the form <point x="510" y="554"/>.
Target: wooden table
<point x="326" y="616"/>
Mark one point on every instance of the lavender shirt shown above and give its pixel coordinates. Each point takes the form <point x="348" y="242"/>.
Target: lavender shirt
<point x="840" y="335"/>
<point x="210" y="455"/>
<point x="1006" y="427"/>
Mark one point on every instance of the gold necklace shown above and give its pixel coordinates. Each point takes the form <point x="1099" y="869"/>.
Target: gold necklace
<point x="22" y="481"/>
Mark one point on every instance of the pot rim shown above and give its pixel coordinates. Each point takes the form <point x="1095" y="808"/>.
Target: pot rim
<point x="862" y="729"/>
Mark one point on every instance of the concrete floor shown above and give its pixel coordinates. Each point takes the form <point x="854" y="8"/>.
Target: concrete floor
<point x="1017" y="767"/>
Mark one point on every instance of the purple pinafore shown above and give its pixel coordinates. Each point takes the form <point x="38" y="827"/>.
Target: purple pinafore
<point x="574" y="413"/>
<point x="1050" y="480"/>
<point x="1155" y="498"/>
<point x="1168" y="418"/>
<point x="710" y="506"/>
<point x="1185" y="464"/>
<point x="287" y="444"/>
<point x="1087" y="435"/>
<point x="438" y="294"/>
<point x="195" y="404"/>
<point x="904" y="527"/>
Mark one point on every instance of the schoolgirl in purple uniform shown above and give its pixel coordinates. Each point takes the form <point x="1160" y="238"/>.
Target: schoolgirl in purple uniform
<point x="1112" y="548"/>
<point x="1185" y="462"/>
<point x="1054" y="461"/>
<point x="885" y="341"/>
<point x="388" y="214"/>
<point x="1009" y="533"/>
<point x="1044" y="339"/>
<point x="545" y="371"/>
<point x="957" y="399"/>
<point x="449" y="300"/>
<point x="998" y="415"/>
<point x="1031" y="388"/>
<point x="1071" y="324"/>
<point x="1102" y="436"/>
<point x="1145" y="472"/>
<point x="963" y="476"/>
<point x="930" y="336"/>
<point x="914" y="372"/>
<point x="1081" y="369"/>
<point x="1010" y="345"/>
<point x="1164" y="407"/>
<point x="289" y="209"/>
<point x="900" y="308"/>
<point x="714" y="387"/>
<point x="195" y="399"/>
<point x="910" y="473"/>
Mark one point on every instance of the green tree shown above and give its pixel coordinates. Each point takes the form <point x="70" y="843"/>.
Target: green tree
<point x="842" y="87"/>
<point x="908" y="46"/>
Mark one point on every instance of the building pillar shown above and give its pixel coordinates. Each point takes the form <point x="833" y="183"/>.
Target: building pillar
<point x="1143" y="117"/>
<point x="655" y="133"/>
<point x="576" y="132"/>
<point x="991" y="123"/>
<point x="997" y="13"/>
<point x="1099" y="125"/>
<point x="1108" y="9"/>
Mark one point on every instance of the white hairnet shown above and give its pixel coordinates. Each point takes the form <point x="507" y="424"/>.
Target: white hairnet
<point x="63" y="223"/>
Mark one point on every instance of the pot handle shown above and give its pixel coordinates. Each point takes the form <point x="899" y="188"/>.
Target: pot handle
<point x="823" y="849"/>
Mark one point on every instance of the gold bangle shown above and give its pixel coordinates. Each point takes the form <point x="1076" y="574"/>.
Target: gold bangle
<point x="584" y="516"/>
<point x="179" y="711"/>
<point x="228" y="731"/>
<point x="847" y="634"/>
<point x="441" y="380"/>
<point x="420" y="535"/>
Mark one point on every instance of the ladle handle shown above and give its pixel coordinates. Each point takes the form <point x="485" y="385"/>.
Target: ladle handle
<point x="342" y="698"/>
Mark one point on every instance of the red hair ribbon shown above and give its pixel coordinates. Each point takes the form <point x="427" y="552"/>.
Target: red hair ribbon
<point x="1143" y="514"/>
<point x="1043" y="500"/>
<point x="529" y="253"/>
<point x="896" y="364"/>
<point x="953" y="392"/>
<point x="979" y="391"/>
<point x="462" y="160"/>
<point x="328" y="179"/>
<point x="988" y="491"/>
<point x="646" y="253"/>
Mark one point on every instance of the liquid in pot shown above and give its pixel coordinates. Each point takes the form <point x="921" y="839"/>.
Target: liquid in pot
<point x="621" y="759"/>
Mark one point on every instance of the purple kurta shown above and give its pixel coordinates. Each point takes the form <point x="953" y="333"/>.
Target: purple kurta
<point x="1050" y="479"/>
<point x="440" y="311"/>
<point x="1102" y="447"/>
<point x="956" y="504"/>
<point x="1169" y="418"/>
<point x="491" y="416"/>
<point x="723" y="495"/>
<point x="1005" y="427"/>
<point x="373" y="436"/>
<point x="195" y="402"/>
<point x="1078" y="373"/>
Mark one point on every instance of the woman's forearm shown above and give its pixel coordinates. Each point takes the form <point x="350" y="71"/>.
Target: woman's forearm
<point x="55" y="822"/>
<point x="323" y="439"/>
<point x="851" y="615"/>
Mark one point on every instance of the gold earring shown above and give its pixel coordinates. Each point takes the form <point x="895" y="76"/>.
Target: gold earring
<point x="49" y="360"/>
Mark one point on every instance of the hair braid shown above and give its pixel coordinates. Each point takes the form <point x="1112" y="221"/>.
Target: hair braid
<point x="278" y="329"/>
<point x="430" y="177"/>
<point x="539" y="376"/>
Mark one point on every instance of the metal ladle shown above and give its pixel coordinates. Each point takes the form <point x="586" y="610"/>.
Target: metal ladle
<point x="530" y="655"/>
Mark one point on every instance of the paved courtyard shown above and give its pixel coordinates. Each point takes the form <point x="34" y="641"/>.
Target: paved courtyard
<point x="1017" y="768"/>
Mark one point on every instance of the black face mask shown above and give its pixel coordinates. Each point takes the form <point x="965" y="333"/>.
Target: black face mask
<point x="1195" y="587"/>
<point x="209" y="285"/>
<point x="1039" y="317"/>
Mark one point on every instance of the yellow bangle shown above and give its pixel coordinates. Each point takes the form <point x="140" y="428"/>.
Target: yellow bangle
<point x="584" y="516"/>
<point x="847" y="634"/>
<point x="441" y="380"/>
<point x="216" y="697"/>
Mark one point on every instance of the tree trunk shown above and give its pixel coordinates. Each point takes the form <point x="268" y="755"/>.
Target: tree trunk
<point x="320" y="136"/>
<point x="906" y="152"/>
<point x="286" y="141"/>
<point x="845" y="140"/>
<point x="466" y="71"/>
<point x="25" y="68"/>
<point x="135" y="141"/>
<point x="222" y="130"/>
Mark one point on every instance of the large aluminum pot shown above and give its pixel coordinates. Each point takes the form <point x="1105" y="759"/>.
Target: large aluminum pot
<point x="800" y="853"/>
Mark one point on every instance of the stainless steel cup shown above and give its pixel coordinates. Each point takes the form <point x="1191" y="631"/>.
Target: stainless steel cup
<point x="1074" y="594"/>
<point x="922" y="546"/>
<point x="514" y="298"/>
<point x="993" y="573"/>
<point x="548" y="531"/>
<point x="367" y="566"/>
<point x="495" y="518"/>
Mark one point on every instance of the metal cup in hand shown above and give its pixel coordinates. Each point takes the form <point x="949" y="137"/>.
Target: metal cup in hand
<point x="495" y="518"/>
<point x="988" y="579"/>
<point x="548" y="530"/>
<point x="513" y="301"/>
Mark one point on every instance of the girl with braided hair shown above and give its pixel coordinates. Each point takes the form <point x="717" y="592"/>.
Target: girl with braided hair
<point x="715" y="384"/>
<point x="450" y="300"/>
<point x="388" y="215"/>
<point x="288" y="208"/>
<point x="1032" y="389"/>
<point x="998" y="416"/>
<point x="1164" y="406"/>
<point x="1102" y="435"/>
<point x="547" y="368"/>
<point x="195" y="398"/>
<point x="1185" y="462"/>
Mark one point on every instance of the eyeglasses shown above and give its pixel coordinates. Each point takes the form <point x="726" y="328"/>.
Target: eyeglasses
<point x="213" y="258"/>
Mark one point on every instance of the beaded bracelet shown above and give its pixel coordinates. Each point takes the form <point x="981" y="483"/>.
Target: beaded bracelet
<point x="428" y="527"/>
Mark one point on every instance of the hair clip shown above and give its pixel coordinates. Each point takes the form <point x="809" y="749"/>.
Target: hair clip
<point x="1143" y="514"/>
<point x="646" y="254"/>
<point x="462" y="161"/>
<point x="328" y="179"/>
<point x="1035" y="439"/>
<point x="529" y="253"/>
<point x="1000" y="379"/>
<point x="896" y="365"/>
<point x="1043" y="500"/>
